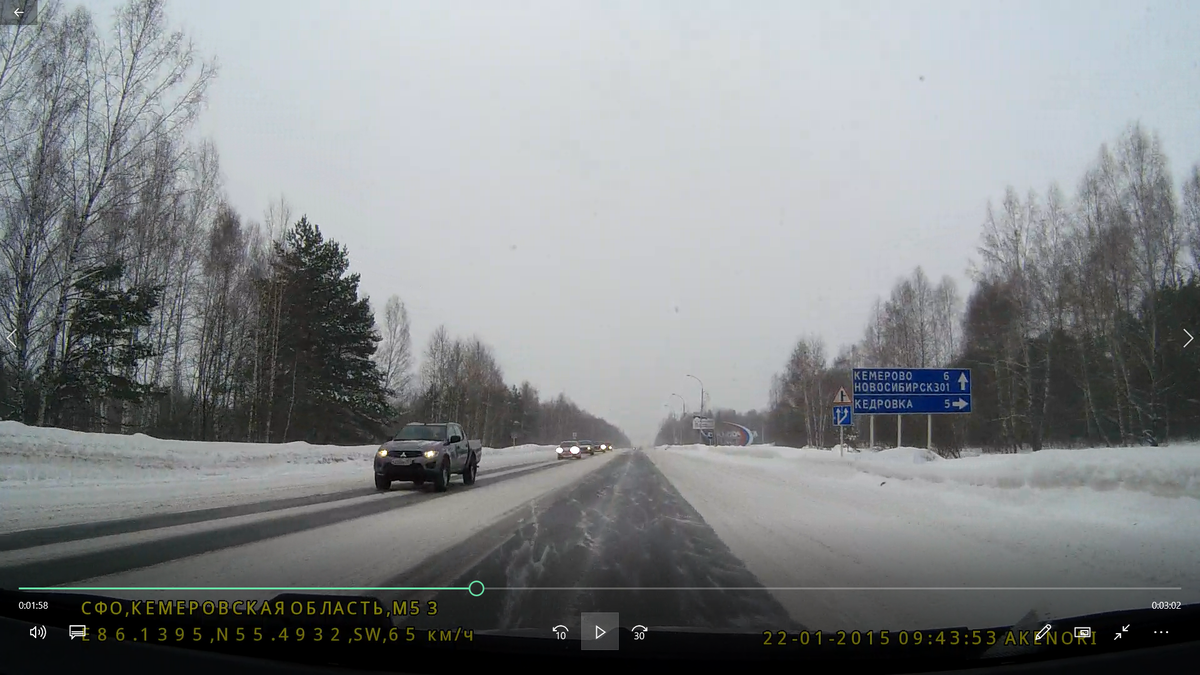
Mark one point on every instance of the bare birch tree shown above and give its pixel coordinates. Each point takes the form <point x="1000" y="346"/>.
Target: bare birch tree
<point x="395" y="355"/>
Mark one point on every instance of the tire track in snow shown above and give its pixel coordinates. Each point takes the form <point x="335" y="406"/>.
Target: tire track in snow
<point x="12" y="541"/>
<point x="72" y="568"/>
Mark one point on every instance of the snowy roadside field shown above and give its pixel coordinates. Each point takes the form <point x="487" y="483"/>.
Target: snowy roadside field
<point x="54" y="477"/>
<point x="905" y="518"/>
<point x="1172" y="471"/>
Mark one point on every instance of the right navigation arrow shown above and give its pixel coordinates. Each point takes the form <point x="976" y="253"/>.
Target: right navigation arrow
<point x="960" y="404"/>
<point x="1190" y="338"/>
<point x="600" y="632"/>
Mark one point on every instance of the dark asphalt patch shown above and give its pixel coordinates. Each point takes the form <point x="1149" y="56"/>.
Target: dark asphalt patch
<point x="624" y="527"/>
<point x="134" y="556"/>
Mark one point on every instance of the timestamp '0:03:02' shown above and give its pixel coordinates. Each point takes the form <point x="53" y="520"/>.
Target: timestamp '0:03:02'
<point x="882" y="638"/>
<point x="252" y="634"/>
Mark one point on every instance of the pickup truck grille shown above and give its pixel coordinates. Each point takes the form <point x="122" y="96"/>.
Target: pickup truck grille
<point x="411" y="453"/>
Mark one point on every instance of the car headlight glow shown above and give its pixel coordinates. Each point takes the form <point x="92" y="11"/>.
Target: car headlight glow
<point x="575" y="450"/>
<point x="383" y="452"/>
<point x="559" y="450"/>
<point x="431" y="453"/>
<point x="603" y="446"/>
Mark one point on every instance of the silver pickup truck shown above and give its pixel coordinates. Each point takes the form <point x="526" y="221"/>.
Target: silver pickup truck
<point x="424" y="451"/>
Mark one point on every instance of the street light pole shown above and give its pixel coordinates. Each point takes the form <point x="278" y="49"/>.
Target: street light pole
<point x="701" y="394"/>
<point x="674" y="424"/>
<point x="683" y="401"/>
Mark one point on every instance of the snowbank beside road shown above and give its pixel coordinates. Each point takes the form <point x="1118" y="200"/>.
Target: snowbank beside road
<point x="56" y="476"/>
<point x="897" y="538"/>
<point x="1172" y="471"/>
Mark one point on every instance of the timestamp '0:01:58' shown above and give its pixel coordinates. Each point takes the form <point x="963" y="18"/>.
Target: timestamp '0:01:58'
<point x="880" y="637"/>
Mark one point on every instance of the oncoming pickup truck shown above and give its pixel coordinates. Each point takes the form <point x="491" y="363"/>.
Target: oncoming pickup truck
<point x="428" y="452"/>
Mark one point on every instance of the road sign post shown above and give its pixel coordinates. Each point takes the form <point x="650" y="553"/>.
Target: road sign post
<point x="705" y="426"/>
<point x="843" y="416"/>
<point x="912" y="391"/>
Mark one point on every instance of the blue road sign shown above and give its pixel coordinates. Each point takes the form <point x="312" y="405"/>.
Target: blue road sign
<point x="843" y="416"/>
<point x="912" y="391"/>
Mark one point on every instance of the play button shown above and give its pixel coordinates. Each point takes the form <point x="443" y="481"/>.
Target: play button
<point x="602" y="629"/>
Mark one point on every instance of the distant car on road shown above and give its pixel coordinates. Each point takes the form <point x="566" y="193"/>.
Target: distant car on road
<point x="569" y="450"/>
<point x="428" y="452"/>
<point x="605" y="447"/>
<point x="590" y="447"/>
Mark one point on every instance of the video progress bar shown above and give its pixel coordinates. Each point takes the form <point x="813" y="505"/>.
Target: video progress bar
<point x="835" y="588"/>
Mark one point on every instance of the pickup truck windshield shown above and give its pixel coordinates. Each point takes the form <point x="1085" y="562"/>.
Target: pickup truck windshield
<point x="422" y="432"/>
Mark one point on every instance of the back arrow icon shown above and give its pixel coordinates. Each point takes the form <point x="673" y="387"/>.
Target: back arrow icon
<point x="1190" y="338"/>
<point x="9" y="337"/>
<point x="19" y="12"/>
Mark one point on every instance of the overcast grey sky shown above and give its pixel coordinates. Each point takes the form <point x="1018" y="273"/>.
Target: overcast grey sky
<point x="617" y="194"/>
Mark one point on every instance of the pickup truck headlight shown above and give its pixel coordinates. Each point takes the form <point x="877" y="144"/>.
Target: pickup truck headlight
<point x="430" y="454"/>
<point x="382" y="452"/>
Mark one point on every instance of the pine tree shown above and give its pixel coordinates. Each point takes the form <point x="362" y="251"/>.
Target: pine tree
<point x="106" y="348"/>
<point x="330" y="389"/>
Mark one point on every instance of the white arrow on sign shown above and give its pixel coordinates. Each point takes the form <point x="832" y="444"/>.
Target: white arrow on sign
<point x="600" y="632"/>
<point x="960" y="404"/>
<point x="962" y="381"/>
<point x="1190" y="338"/>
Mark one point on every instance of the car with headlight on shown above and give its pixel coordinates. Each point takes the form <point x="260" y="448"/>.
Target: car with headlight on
<point x="570" y="450"/>
<point x="428" y="452"/>
<point x="605" y="447"/>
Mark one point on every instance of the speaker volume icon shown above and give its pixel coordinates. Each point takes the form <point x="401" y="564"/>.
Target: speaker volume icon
<point x="38" y="632"/>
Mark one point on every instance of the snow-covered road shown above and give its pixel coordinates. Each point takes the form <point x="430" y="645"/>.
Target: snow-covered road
<point x="737" y="538"/>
